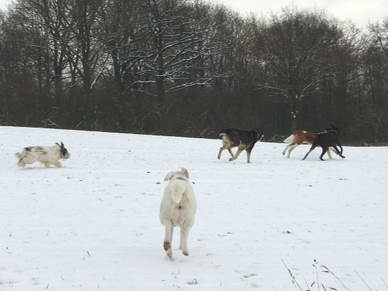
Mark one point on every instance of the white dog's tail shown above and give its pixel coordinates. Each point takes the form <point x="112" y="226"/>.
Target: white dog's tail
<point x="177" y="193"/>
<point x="289" y="139"/>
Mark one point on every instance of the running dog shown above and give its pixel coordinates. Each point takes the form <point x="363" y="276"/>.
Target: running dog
<point x="243" y="139"/>
<point x="46" y="155"/>
<point x="177" y="208"/>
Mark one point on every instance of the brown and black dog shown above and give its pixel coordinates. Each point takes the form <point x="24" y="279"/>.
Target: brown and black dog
<point x="243" y="139"/>
<point x="299" y="137"/>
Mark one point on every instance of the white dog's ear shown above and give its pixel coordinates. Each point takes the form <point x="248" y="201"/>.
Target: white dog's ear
<point x="185" y="173"/>
<point x="169" y="176"/>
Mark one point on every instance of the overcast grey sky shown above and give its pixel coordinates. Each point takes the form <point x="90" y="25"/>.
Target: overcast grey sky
<point x="361" y="12"/>
<point x="4" y="3"/>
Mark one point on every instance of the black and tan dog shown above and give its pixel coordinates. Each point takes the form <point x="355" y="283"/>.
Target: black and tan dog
<point x="243" y="139"/>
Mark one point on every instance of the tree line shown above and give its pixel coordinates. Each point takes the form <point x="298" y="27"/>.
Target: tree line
<point x="190" y="68"/>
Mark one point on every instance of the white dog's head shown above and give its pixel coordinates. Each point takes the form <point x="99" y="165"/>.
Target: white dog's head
<point x="182" y="173"/>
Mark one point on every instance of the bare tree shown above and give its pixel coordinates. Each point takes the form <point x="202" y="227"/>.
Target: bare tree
<point x="54" y="18"/>
<point x="293" y="51"/>
<point x="172" y="48"/>
<point x="86" y="52"/>
<point x="188" y="68"/>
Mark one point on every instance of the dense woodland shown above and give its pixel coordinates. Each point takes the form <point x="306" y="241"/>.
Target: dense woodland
<point x="190" y="68"/>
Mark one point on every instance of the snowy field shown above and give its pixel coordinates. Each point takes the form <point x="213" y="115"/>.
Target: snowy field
<point x="94" y="224"/>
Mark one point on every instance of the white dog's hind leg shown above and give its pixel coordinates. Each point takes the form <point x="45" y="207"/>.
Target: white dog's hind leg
<point x="181" y="240"/>
<point x="168" y="240"/>
<point x="183" y="244"/>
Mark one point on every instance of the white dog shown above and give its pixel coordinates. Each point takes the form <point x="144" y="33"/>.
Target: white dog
<point x="178" y="208"/>
<point x="46" y="155"/>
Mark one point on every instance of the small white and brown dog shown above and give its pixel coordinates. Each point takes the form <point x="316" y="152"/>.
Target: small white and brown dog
<point x="178" y="208"/>
<point x="46" y="155"/>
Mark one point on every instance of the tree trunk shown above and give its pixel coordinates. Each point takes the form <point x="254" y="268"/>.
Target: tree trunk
<point x="58" y="75"/>
<point x="294" y="122"/>
<point x="294" y="113"/>
<point x="120" y="105"/>
<point x="161" y="91"/>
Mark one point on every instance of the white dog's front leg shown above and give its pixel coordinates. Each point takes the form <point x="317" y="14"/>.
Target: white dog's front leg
<point x="183" y="244"/>
<point x="168" y="240"/>
<point x="58" y="164"/>
<point x="21" y="164"/>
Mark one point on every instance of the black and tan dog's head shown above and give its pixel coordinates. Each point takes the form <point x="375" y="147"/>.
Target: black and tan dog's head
<point x="64" y="152"/>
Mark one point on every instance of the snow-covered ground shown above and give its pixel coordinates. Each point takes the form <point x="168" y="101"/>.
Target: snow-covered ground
<point x="94" y="224"/>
